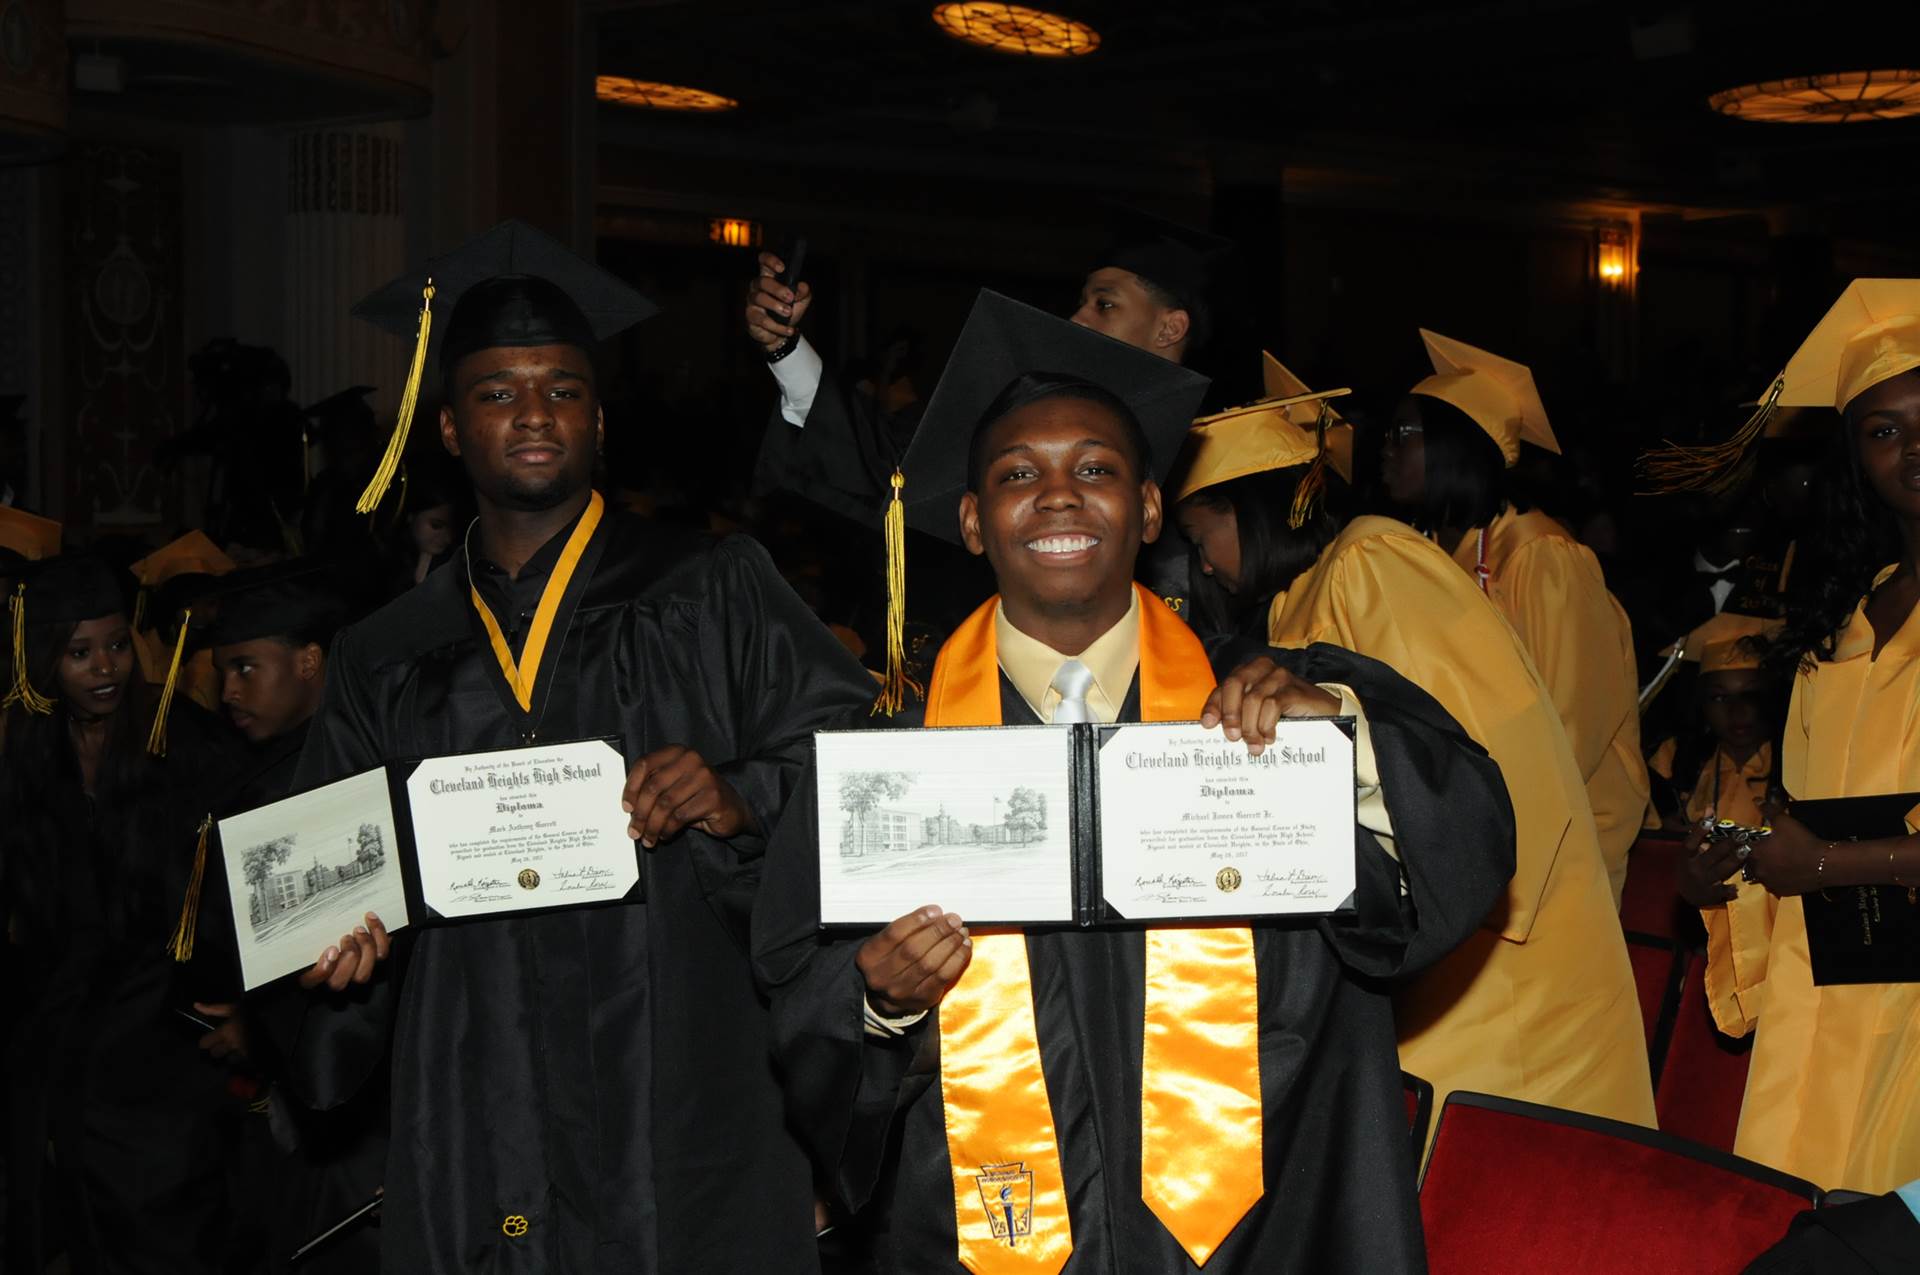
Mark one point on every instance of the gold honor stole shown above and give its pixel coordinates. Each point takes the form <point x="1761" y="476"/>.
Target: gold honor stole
<point x="1200" y="1150"/>
<point x="522" y="674"/>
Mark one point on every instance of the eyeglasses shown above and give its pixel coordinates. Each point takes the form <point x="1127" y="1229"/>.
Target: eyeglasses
<point x="1400" y="434"/>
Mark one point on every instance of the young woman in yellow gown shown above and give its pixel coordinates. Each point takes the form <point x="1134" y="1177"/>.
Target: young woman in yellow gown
<point x="1452" y="439"/>
<point x="1540" y="1004"/>
<point x="1833" y="1093"/>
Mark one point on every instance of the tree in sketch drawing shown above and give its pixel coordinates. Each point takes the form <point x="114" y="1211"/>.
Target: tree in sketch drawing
<point x="373" y="846"/>
<point x="1027" y="812"/>
<point x="258" y="863"/>
<point x="860" y="792"/>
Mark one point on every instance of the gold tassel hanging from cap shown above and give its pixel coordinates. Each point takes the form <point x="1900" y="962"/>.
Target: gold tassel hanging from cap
<point x="22" y="692"/>
<point x="181" y="944"/>
<point x="140" y="608"/>
<point x="409" y="400"/>
<point x="1312" y="487"/>
<point x="157" y="737"/>
<point x="895" y="685"/>
<point x="1709" y="467"/>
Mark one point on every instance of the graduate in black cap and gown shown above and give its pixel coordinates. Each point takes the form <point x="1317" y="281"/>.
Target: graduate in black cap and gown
<point x="269" y="636"/>
<point x="589" y="1090"/>
<point x="936" y="1070"/>
<point x="113" y="1153"/>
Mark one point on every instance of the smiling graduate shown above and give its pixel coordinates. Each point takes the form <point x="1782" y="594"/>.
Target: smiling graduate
<point x="1141" y="1099"/>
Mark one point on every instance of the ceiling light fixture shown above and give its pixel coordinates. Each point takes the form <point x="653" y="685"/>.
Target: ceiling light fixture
<point x="1847" y="97"/>
<point x="653" y="95"/>
<point x="1016" y="29"/>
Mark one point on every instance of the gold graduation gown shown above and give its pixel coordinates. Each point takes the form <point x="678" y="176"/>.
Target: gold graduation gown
<point x="1833" y="1092"/>
<point x="1550" y="588"/>
<point x="1540" y="1003"/>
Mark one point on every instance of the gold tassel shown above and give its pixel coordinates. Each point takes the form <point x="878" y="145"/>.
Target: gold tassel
<point x="181" y="944"/>
<point x="1313" y="484"/>
<point x="140" y="608"/>
<point x="895" y="685"/>
<point x="157" y="737"/>
<point x="409" y="399"/>
<point x="1709" y="467"/>
<point x="22" y="692"/>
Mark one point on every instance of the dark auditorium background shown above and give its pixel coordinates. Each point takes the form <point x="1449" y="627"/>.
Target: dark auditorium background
<point x="1548" y="179"/>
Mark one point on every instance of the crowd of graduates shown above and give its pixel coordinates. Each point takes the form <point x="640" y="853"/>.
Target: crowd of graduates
<point x="707" y="1082"/>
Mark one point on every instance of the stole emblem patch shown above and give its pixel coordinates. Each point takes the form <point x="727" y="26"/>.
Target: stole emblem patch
<point x="1006" y="1193"/>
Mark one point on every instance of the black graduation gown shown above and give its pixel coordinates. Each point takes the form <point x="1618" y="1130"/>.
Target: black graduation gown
<point x="602" y="1074"/>
<point x="104" y="1068"/>
<point x="1339" y="1166"/>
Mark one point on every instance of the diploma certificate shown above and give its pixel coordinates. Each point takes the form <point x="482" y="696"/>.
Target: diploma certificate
<point x="1086" y="824"/>
<point x="1192" y="825"/>
<point x="522" y="828"/>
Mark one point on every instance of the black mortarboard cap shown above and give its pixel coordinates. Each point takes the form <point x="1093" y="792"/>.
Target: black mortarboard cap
<point x="285" y="599"/>
<point x="348" y="407"/>
<point x="1003" y="340"/>
<point x="510" y="286"/>
<point x="70" y="588"/>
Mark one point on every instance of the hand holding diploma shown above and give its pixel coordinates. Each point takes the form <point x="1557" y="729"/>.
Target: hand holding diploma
<point x="1250" y="701"/>
<point x="912" y="964"/>
<point x="672" y="788"/>
<point x="352" y="959"/>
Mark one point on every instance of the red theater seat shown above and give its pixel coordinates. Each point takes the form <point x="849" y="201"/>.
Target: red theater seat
<point x="1513" y="1188"/>
<point x="1705" y="1073"/>
<point x="1649" y="904"/>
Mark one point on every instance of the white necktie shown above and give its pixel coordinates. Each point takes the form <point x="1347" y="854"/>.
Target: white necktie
<point x="1072" y="682"/>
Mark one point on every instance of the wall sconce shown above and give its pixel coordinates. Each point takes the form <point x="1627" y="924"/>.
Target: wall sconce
<point x="1613" y="258"/>
<point x="734" y="232"/>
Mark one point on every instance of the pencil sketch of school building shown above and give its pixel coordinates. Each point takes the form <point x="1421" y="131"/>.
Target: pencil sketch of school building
<point x="872" y="828"/>
<point x="277" y="893"/>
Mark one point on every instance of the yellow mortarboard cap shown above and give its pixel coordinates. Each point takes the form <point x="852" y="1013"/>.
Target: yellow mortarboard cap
<point x="1252" y="440"/>
<point x="191" y="554"/>
<point x="1871" y="334"/>
<point x="1497" y="394"/>
<point x="1726" y="642"/>
<point x="30" y="536"/>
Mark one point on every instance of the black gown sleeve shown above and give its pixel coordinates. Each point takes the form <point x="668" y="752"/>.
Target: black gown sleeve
<point x="843" y="458"/>
<point x="1452" y="818"/>
<point x="775" y="675"/>
<point x="843" y="1085"/>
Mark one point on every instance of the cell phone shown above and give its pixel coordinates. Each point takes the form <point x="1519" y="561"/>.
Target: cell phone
<point x="795" y="259"/>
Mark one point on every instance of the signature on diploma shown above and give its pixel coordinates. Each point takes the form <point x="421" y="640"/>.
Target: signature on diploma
<point x="588" y="878"/>
<point x="1170" y="887"/>
<point x="1294" y="883"/>
<point x="473" y="886"/>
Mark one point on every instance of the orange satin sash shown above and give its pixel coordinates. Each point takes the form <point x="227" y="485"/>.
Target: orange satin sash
<point x="1201" y="1166"/>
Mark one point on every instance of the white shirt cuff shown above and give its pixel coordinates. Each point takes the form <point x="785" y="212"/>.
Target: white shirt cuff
<point x="878" y="1024"/>
<point x="799" y="376"/>
<point x="1370" y="803"/>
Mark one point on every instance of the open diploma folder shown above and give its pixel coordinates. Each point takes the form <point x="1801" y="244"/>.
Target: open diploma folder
<point x="1868" y="933"/>
<point x="440" y="839"/>
<point x="1084" y="825"/>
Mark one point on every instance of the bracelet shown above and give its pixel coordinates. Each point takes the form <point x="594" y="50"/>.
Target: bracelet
<point x="791" y="344"/>
<point x="1819" y="873"/>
